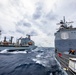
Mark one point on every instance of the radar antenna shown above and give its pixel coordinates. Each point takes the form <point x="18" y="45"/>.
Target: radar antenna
<point x="63" y="23"/>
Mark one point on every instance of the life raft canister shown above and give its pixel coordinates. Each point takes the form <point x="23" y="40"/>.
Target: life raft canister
<point x="30" y="43"/>
<point x="59" y="54"/>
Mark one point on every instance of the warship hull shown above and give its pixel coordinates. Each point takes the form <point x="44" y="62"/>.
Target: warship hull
<point x="65" y="45"/>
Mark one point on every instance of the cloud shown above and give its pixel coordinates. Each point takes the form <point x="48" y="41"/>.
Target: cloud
<point x="35" y="17"/>
<point x="51" y="16"/>
<point x="33" y="33"/>
<point x="38" y="11"/>
<point x="24" y="23"/>
<point x="20" y="31"/>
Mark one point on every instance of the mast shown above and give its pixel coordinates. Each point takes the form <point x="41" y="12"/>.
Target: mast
<point x="63" y="23"/>
<point x="64" y="19"/>
<point x="0" y="36"/>
<point x="0" y="32"/>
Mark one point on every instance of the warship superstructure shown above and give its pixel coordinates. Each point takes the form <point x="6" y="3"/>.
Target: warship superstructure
<point x="65" y="37"/>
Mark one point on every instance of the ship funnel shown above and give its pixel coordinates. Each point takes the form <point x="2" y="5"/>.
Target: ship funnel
<point x="29" y="37"/>
<point x="5" y="39"/>
<point x="11" y="39"/>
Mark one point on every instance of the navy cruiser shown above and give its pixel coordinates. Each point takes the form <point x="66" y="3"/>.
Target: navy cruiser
<point x="65" y="37"/>
<point x="21" y="44"/>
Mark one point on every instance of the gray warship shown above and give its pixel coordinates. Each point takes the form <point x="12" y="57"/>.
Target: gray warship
<point x="21" y="44"/>
<point x="65" y="37"/>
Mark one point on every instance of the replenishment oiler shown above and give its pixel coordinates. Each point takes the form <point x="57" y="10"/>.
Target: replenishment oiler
<point x="65" y="37"/>
<point x="21" y="44"/>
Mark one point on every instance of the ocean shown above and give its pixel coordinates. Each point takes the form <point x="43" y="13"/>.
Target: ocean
<point x="40" y="61"/>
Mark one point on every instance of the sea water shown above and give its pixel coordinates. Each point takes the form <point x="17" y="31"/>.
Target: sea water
<point x="40" y="61"/>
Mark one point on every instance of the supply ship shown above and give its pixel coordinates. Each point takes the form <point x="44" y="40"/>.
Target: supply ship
<point x="21" y="44"/>
<point x="65" y="37"/>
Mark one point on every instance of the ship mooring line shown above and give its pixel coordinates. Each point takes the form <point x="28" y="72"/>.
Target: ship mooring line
<point x="65" y="58"/>
<point x="64" y="65"/>
<point x="62" y="60"/>
<point x="67" y="67"/>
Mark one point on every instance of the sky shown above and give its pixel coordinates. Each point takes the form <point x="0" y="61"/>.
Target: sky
<point x="35" y="17"/>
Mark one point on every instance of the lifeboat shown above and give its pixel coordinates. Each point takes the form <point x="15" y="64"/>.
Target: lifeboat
<point x="29" y="43"/>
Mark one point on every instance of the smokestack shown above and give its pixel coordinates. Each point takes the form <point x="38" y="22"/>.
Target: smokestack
<point x="29" y="37"/>
<point x="11" y="39"/>
<point x="5" y="39"/>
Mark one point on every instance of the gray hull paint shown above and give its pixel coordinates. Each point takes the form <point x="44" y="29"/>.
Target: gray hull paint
<point x="18" y="48"/>
<point x="65" y="45"/>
